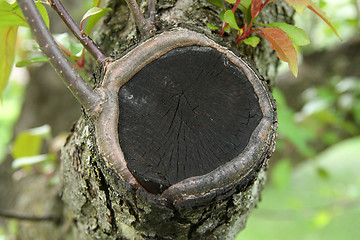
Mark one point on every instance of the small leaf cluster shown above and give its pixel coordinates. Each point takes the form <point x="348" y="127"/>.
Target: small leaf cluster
<point x="11" y="18"/>
<point x="283" y="38"/>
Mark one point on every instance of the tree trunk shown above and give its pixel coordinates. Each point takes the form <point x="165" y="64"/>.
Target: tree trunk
<point x="107" y="196"/>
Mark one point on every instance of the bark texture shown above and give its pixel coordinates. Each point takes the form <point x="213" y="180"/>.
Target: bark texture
<point x="100" y="204"/>
<point x="104" y="207"/>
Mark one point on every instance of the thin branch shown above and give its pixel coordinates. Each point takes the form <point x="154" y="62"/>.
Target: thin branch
<point x="152" y="10"/>
<point x="146" y="26"/>
<point x="85" y="40"/>
<point x="7" y="214"/>
<point x="86" y="96"/>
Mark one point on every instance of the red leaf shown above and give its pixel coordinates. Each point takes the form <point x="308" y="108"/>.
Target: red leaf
<point x="255" y="8"/>
<point x="300" y="5"/>
<point x="316" y="9"/>
<point x="282" y="44"/>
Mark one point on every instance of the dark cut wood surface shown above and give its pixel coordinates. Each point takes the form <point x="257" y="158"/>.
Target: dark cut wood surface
<point x="184" y="115"/>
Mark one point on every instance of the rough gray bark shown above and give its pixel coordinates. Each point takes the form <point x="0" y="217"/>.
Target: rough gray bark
<point x="101" y="204"/>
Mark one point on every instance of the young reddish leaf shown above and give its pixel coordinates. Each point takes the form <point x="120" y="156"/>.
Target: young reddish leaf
<point x="316" y="9"/>
<point x="299" y="5"/>
<point x="7" y="54"/>
<point x="282" y="44"/>
<point x="297" y="35"/>
<point x="230" y="19"/>
<point x="255" y="8"/>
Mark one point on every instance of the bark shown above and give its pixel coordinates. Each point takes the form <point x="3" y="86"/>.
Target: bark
<point x="102" y="197"/>
<point x="104" y="201"/>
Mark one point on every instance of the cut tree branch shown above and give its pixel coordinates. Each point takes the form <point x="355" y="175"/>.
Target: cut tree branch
<point x="86" y="96"/>
<point x="85" y="40"/>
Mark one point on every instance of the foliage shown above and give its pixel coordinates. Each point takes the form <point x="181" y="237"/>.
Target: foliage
<point x="11" y="18"/>
<point x="321" y="200"/>
<point x="283" y="38"/>
<point x="9" y="112"/>
<point x="297" y="135"/>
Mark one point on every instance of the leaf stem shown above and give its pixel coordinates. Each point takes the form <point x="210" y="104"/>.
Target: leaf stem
<point x="86" y="96"/>
<point x="233" y="10"/>
<point x="85" y="40"/>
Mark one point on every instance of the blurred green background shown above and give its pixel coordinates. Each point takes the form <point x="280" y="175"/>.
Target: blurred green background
<point x="313" y="189"/>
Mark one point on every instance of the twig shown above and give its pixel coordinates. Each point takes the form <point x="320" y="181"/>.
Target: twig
<point x="152" y="10"/>
<point x="85" y="40"/>
<point x="146" y="26"/>
<point x="7" y="214"/>
<point x="86" y="96"/>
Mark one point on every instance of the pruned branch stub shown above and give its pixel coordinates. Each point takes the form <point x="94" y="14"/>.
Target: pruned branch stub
<point x="186" y="120"/>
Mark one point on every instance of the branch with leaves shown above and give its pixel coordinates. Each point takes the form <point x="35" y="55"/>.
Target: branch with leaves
<point x="86" y="96"/>
<point x="283" y="38"/>
<point x="11" y="17"/>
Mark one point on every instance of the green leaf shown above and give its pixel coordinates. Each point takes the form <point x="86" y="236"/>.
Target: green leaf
<point x="244" y="4"/>
<point x="229" y="18"/>
<point x="10" y="15"/>
<point x="27" y="161"/>
<point x="211" y="26"/>
<point x="252" y="41"/>
<point x="231" y="1"/>
<point x="43" y="13"/>
<point x="93" y="15"/>
<point x="26" y="62"/>
<point x="297" y="35"/>
<point x="216" y="3"/>
<point x="281" y="174"/>
<point x="28" y="143"/>
<point x="221" y="15"/>
<point x="7" y="54"/>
